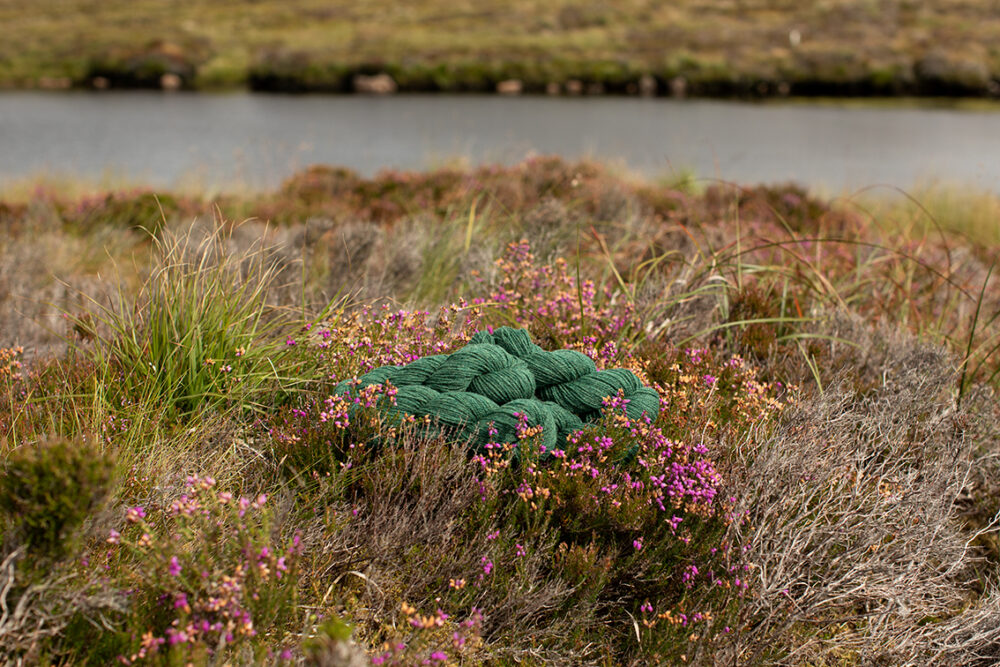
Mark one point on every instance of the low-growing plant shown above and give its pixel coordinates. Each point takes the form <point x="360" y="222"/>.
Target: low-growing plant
<point x="204" y="575"/>
<point x="48" y="490"/>
<point x="752" y="522"/>
<point x="199" y="333"/>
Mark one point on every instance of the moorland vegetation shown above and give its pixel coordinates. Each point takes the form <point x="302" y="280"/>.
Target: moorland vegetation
<point x="183" y="482"/>
<point x="750" y="48"/>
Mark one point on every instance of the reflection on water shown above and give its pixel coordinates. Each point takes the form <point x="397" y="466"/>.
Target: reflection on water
<point x="256" y="140"/>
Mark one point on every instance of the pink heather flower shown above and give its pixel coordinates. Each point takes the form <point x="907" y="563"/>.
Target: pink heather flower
<point x="114" y="537"/>
<point x="521" y="551"/>
<point x="438" y="656"/>
<point x="286" y="654"/>
<point x="646" y="608"/>
<point x="175" y="567"/>
<point x="135" y="513"/>
<point x="290" y="341"/>
<point x="637" y="543"/>
<point x="176" y="637"/>
<point x="225" y="497"/>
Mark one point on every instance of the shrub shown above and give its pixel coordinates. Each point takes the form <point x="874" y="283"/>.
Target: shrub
<point x="49" y="489"/>
<point x="204" y="574"/>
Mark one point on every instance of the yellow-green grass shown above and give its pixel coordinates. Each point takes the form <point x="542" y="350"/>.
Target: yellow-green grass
<point x="747" y="47"/>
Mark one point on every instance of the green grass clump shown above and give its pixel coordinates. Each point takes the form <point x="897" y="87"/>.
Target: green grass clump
<point x="200" y="334"/>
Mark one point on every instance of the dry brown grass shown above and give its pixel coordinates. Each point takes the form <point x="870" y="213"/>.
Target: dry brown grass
<point x="853" y="523"/>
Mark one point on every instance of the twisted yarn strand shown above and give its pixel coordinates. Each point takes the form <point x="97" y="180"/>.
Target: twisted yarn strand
<point x="497" y="376"/>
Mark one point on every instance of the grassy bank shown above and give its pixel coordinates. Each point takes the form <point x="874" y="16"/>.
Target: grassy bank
<point x="760" y="48"/>
<point x="181" y="484"/>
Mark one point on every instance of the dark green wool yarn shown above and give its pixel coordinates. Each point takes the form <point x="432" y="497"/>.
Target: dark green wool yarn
<point x="460" y="408"/>
<point x="413" y="398"/>
<point x="585" y="394"/>
<point x="418" y="371"/>
<point x="566" y="422"/>
<point x="505" y="423"/>
<point x="379" y="375"/>
<point x="643" y="400"/>
<point x="559" y="367"/>
<point x="485" y="385"/>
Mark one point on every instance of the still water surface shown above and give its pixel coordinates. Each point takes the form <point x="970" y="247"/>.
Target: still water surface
<point x="256" y="140"/>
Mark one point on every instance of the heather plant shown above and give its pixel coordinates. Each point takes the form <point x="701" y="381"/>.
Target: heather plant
<point x="136" y="208"/>
<point x="429" y="639"/>
<point x="10" y="364"/>
<point x="551" y="301"/>
<point x="619" y="501"/>
<point x="626" y="504"/>
<point x="47" y="491"/>
<point x="711" y="394"/>
<point x="337" y="432"/>
<point x="350" y="343"/>
<point x="203" y="574"/>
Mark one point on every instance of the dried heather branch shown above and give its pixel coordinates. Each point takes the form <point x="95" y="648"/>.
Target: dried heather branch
<point x="851" y="524"/>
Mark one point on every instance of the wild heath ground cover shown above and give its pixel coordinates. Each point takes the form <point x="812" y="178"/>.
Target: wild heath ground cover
<point x="183" y="483"/>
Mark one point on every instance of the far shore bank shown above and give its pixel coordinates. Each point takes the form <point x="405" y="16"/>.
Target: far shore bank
<point x="762" y="49"/>
<point x="513" y="79"/>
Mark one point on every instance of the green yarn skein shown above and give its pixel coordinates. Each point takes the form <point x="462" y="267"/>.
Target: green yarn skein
<point x="483" y="386"/>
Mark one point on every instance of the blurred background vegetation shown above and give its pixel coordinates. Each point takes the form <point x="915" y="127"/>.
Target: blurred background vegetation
<point x="711" y="47"/>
